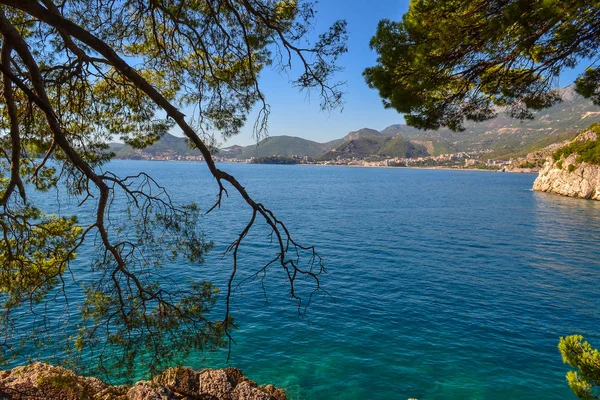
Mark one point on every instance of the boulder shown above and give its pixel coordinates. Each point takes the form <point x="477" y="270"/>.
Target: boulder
<point x="43" y="381"/>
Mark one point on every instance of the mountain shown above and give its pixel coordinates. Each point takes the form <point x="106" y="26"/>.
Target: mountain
<point x="400" y="147"/>
<point x="506" y="137"/>
<point x="371" y="146"/>
<point x="286" y="146"/>
<point x="362" y="133"/>
<point x="509" y="137"/>
<point x="168" y="144"/>
<point x="399" y="130"/>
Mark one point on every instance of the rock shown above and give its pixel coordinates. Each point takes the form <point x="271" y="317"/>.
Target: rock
<point x="144" y="391"/>
<point x="43" y="381"/>
<point x="570" y="178"/>
<point x="533" y="161"/>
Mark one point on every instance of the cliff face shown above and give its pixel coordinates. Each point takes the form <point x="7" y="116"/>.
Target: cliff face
<point x="568" y="176"/>
<point x="43" y="381"/>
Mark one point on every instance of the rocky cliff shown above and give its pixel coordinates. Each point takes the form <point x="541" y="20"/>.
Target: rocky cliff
<point x="569" y="175"/>
<point x="43" y="381"/>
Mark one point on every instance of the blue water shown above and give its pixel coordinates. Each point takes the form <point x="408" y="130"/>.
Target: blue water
<point x="444" y="284"/>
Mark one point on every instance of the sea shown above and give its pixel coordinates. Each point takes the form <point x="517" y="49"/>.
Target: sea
<point x="440" y="284"/>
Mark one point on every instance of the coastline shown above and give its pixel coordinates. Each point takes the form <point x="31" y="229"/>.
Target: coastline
<point x="44" y="381"/>
<point x="343" y="165"/>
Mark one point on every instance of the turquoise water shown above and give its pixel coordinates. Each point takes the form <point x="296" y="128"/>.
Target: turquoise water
<point x="444" y="284"/>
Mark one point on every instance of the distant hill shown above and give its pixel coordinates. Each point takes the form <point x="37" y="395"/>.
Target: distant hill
<point x="399" y="130"/>
<point x="400" y="147"/>
<point x="507" y="137"/>
<point x="285" y="146"/>
<point x="362" y="133"/>
<point x="371" y="146"/>
<point x="167" y="144"/>
<point x="360" y="147"/>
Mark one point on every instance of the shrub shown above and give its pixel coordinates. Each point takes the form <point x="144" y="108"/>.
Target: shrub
<point x="588" y="151"/>
<point x="579" y="354"/>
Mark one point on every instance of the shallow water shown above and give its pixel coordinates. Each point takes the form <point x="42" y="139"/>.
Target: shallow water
<point x="444" y="284"/>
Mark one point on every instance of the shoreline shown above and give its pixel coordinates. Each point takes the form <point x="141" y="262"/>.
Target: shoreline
<point x="347" y="166"/>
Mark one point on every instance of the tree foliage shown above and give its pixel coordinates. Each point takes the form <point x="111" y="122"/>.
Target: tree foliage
<point x="75" y="73"/>
<point x="585" y="382"/>
<point x="451" y="61"/>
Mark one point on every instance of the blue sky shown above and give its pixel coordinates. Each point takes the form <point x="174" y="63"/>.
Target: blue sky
<point x="294" y="115"/>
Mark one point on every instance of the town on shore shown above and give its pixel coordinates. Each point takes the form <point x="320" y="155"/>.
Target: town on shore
<point x="461" y="160"/>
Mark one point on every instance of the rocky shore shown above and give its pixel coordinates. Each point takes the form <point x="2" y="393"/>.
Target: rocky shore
<point x="43" y="381"/>
<point x="570" y="177"/>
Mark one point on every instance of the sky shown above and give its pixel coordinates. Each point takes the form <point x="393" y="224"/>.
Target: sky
<point x="293" y="114"/>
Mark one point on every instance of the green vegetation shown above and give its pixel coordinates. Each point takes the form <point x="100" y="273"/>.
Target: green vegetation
<point x="585" y="382"/>
<point x="559" y="164"/>
<point x="67" y="88"/>
<point x="442" y="147"/>
<point x="486" y="167"/>
<point x="399" y="147"/>
<point x="376" y="147"/>
<point x="286" y="146"/>
<point x="587" y="151"/>
<point x="529" y="164"/>
<point x="521" y="146"/>
<point x="359" y="148"/>
<point x="571" y="167"/>
<point x="452" y="61"/>
<point x="363" y="133"/>
<point x="275" y="160"/>
<point x="167" y="144"/>
<point x="508" y="138"/>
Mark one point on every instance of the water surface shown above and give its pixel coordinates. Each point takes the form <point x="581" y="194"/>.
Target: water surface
<point x="444" y="284"/>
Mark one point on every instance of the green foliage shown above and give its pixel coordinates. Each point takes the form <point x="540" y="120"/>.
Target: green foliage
<point x="588" y="84"/>
<point x="486" y="167"/>
<point x="559" y="164"/>
<point x="585" y="381"/>
<point x="451" y="61"/>
<point x="67" y="90"/>
<point x="275" y="160"/>
<point x="529" y="164"/>
<point x="587" y="151"/>
<point x="34" y="255"/>
<point x="571" y="167"/>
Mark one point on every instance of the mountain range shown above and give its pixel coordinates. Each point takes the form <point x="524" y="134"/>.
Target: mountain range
<point x="505" y="136"/>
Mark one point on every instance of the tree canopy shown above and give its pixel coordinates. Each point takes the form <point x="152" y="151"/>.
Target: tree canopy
<point x="75" y="73"/>
<point x="579" y="354"/>
<point x="451" y="61"/>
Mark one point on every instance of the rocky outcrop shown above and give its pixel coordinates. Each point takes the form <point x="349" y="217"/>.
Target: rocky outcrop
<point x="43" y="381"/>
<point x="534" y="161"/>
<point x="568" y="176"/>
